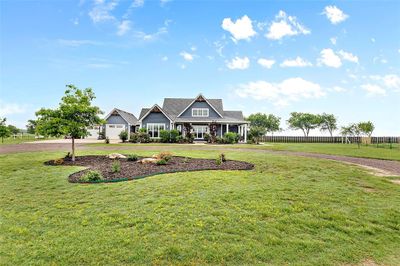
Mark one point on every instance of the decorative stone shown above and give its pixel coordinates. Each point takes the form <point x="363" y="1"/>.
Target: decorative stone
<point x="149" y="160"/>
<point x="116" y="156"/>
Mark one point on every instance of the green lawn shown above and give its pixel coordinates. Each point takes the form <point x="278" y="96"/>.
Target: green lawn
<point x="370" y="151"/>
<point x="21" y="139"/>
<point x="288" y="210"/>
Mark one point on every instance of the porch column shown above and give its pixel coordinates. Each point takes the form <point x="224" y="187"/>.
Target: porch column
<point x="227" y="128"/>
<point x="222" y="129"/>
<point x="129" y="131"/>
<point x="245" y="133"/>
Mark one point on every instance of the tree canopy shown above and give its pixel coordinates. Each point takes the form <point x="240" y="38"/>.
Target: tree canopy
<point x="269" y="122"/>
<point x="4" y="130"/>
<point x="73" y="116"/>
<point x="303" y="121"/>
<point x="366" y="128"/>
<point x="328" y="122"/>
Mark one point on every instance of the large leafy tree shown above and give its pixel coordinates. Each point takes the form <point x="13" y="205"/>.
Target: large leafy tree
<point x="4" y="130"/>
<point x="303" y="121"/>
<point x="366" y="128"/>
<point x="328" y="122"/>
<point x="13" y="129"/>
<point x="73" y="116"/>
<point x="269" y="122"/>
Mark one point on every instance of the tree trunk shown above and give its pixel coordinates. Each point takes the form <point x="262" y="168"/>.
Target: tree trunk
<point x="73" y="149"/>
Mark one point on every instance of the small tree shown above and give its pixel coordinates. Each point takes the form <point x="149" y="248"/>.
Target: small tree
<point x="31" y="127"/>
<point x="13" y="129"/>
<point x="303" y="121"/>
<point x="73" y="116"/>
<point x="366" y="128"/>
<point x="269" y="122"/>
<point x="328" y="123"/>
<point x="4" y="130"/>
<point x="352" y="130"/>
<point x="256" y="133"/>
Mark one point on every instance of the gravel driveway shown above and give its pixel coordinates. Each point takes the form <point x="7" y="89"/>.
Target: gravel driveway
<point x="384" y="167"/>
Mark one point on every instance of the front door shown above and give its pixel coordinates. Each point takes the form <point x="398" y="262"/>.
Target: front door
<point x="199" y="132"/>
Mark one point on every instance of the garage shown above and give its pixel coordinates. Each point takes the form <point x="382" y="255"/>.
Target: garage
<point x="113" y="130"/>
<point x="93" y="132"/>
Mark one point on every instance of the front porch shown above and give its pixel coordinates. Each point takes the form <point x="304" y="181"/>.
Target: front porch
<point x="200" y="129"/>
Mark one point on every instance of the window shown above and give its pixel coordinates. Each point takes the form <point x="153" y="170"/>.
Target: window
<point x="200" y="112"/>
<point x="154" y="129"/>
<point x="199" y="131"/>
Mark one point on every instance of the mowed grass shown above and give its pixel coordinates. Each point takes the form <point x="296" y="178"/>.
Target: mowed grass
<point x="383" y="151"/>
<point x="288" y="210"/>
<point x="21" y="139"/>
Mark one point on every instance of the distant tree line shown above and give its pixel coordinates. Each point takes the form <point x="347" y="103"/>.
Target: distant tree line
<point x="7" y="130"/>
<point x="261" y="124"/>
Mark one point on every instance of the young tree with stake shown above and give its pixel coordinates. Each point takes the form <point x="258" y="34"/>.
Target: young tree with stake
<point x="73" y="116"/>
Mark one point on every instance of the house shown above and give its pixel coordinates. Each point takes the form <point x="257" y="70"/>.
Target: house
<point x="118" y="120"/>
<point x="203" y="115"/>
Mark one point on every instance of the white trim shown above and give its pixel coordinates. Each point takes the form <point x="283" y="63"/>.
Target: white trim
<point x="195" y="99"/>
<point x="201" y="111"/>
<point x="155" y="124"/>
<point x="151" y="109"/>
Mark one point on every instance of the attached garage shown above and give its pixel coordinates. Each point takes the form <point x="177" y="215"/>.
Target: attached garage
<point x="117" y="121"/>
<point x="93" y="132"/>
<point x="113" y="130"/>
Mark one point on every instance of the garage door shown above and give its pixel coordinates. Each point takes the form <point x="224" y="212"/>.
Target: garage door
<point x="112" y="131"/>
<point x="93" y="132"/>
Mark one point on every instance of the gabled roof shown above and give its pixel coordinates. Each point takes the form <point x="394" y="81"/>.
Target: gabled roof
<point x="176" y="106"/>
<point x="233" y="115"/>
<point x="128" y="117"/>
<point x="146" y="111"/>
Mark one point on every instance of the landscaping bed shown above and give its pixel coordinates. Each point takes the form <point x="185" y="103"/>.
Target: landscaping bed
<point x="134" y="169"/>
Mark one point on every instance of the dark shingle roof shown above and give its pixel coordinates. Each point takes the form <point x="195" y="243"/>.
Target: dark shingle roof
<point x="233" y="115"/>
<point x="143" y="112"/>
<point x="174" y="106"/>
<point x="128" y="117"/>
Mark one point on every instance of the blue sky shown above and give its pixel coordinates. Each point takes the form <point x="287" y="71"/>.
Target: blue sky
<point x="259" y="56"/>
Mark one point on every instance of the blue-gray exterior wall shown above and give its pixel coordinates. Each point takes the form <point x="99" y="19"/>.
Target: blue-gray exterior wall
<point x="211" y="112"/>
<point x="232" y="128"/>
<point x="116" y="119"/>
<point x="156" y="118"/>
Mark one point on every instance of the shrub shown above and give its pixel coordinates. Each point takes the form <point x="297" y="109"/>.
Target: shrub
<point x="207" y="137"/>
<point x="107" y="140"/>
<point x="58" y="161"/>
<point x="123" y="136"/>
<point x="133" y="157"/>
<point x="231" y="137"/>
<point x="180" y="139"/>
<point x="222" y="157"/>
<point x="142" y="130"/>
<point x="165" y="155"/>
<point x="218" y="161"/>
<point x="189" y="138"/>
<point x="161" y="162"/>
<point x="219" y="140"/>
<point x="164" y="136"/>
<point x="116" y="166"/>
<point x="134" y="138"/>
<point x="173" y="135"/>
<point x="185" y="160"/>
<point x="91" y="176"/>
<point x="143" y="137"/>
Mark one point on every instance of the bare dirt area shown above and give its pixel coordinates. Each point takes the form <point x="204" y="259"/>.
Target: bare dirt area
<point x="134" y="169"/>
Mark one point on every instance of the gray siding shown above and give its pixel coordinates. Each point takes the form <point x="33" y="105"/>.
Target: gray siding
<point x="211" y="112"/>
<point x="156" y="118"/>
<point x="116" y="119"/>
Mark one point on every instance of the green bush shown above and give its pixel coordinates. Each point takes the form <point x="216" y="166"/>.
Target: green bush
<point x="207" y="137"/>
<point x="173" y="135"/>
<point x="133" y="138"/>
<point x="219" y="140"/>
<point x="164" y="136"/>
<point x="91" y="176"/>
<point x="143" y="137"/>
<point x="164" y="155"/>
<point x="180" y="139"/>
<point x="161" y="162"/>
<point x="123" y="136"/>
<point x="231" y="138"/>
<point x="218" y="161"/>
<point x="142" y="130"/>
<point x="133" y="157"/>
<point x="116" y="166"/>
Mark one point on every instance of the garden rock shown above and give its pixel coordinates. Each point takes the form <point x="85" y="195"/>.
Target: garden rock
<point x="116" y="156"/>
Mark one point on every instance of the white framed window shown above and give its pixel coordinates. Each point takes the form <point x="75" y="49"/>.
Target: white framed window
<point x="200" y="131"/>
<point x="153" y="129"/>
<point x="200" y="112"/>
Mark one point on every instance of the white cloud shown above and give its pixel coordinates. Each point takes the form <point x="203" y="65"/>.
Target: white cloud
<point x="334" y="14"/>
<point x="285" y="25"/>
<point x="298" y="62"/>
<point x="338" y="89"/>
<point x="348" y="56"/>
<point x="333" y="40"/>
<point x="137" y="3"/>
<point x="238" y="63"/>
<point x="75" y="21"/>
<point x="390" y="81"/>
<point x="10" y="109"/>
<point x="152" y="36"/>
<point x="101" y="10"/>
<point x="242" y="29"/>
<point x="187" y="56"/>
<point x="283" y="93"/>
<point x="329" y="58"/>
<point x="267" y="63"/>
<point x="77" y="43"/>
<point x="164" y="58"/>
<point x="124" y="27"/>
<point x="373" y="40"/>
<point x="373" y="90"/>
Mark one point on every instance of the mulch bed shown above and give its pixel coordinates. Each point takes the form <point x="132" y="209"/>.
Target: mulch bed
<point x="135" y="170"/>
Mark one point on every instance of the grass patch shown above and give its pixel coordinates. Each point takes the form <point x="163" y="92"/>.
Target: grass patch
<point x="287" y="210"/>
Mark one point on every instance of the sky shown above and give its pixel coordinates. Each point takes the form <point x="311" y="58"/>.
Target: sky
<point x="339" y="57"/>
